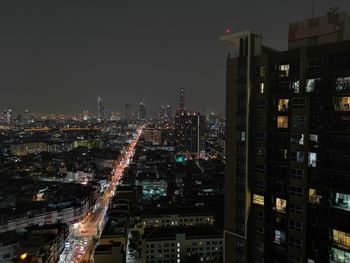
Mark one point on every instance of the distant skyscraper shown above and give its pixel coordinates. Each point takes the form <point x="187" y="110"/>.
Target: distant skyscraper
<point x="100" y="109"/>
<point x="161" y="112"/>
<point x="85" y="115"/>
<point x="127" y="111"/>
<point x="8" y="116"/>
<point x="189" y="132"/>
<point x="287" y="184"/>
<point x="142" y="111"/>
<point x="168" y="111"/>
<point x="26" y="115"/>
<point x="182" y="98"/>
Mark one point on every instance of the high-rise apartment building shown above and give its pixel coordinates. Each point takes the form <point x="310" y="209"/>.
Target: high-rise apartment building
<point x="100" y="109"/>
<point x="182" y="98"/>
<point x="142" y="111"/>
<point x="287" y="196"/>
<point x="189" y="132"/>
<point x="168" y="112"/>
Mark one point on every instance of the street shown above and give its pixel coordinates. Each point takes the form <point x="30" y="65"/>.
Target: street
<point x="81" y="241"/>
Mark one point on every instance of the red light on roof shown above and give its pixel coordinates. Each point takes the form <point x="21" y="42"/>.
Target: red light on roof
<point x="228" y="31"/>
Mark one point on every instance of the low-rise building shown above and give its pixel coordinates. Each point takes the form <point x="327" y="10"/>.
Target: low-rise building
<point x="109" y="253"/>
<point x="182" y="216"/>
<point x="115" y="232"/>
<point x="43" y="244"/>
<point x="180" y="244"/>
<point x="8" y="245"/>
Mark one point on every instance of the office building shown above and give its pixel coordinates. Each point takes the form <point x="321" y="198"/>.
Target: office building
<point x="189" y="132"/>
<point x="287" y="145"/>
<point x="100" y="109"/>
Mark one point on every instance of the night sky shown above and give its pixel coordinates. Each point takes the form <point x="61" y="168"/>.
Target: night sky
<point x="58" y="56"/>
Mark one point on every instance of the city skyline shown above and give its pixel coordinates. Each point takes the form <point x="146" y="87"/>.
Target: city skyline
<point x="70" y="52"/>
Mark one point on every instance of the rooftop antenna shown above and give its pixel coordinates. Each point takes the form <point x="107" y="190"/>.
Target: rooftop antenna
<point x="313" y="9"/>
<point x="332" y="11"/>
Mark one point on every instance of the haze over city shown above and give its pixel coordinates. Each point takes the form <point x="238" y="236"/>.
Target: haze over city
<point x="175" y="131"/>
<point x="58" y="56"/>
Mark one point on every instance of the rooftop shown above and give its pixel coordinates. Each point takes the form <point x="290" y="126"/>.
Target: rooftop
<point x="193" y="232"/>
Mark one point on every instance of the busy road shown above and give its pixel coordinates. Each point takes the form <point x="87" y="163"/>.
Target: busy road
<point x="83" y="235"/>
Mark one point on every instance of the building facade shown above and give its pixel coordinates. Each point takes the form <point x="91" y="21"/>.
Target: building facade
<point x="100" y="109"/>
<point x="287" y="196"/>
<point x="182" y="244"/>
<point x="189" y="132"/>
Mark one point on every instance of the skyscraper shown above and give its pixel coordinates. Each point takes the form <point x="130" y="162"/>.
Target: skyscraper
<point x="189" y="132"/>
<point x="100" y="109"/>
<point x="142" y="111"/>
<point x="9" y="116"/>
<point x="161" y="112"/>
<point x="287" y="195"/>
<point x="168" y="111"/>
<point x="127" y="111"/>
<point x="182" y="98"/>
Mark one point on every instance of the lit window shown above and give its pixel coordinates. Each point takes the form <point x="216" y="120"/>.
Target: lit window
<point x="312" y="159"/>
<point x="283" y="104"/>
<point x="282" y="121"/>
<point x="262" y="71"/>
<point x="340" y="256"/>
<point x="297" y="139"/>
<point x="283" y="70"/>
<point x="341" y="238"/>
<point x="262" y="87"/>
<point x="342" y="103"/>
<point x="297" y="156"/>
<point x="281" y="205"/>
<point x="258" y="199"/>
<point x="313" y="140"/>
<point x="312" y="84"/>
<point x="280" y="237"/>
<point x="242" y="136"/>
<point x="341" y="201"/>
<point x="343" y="83"/>
<point x="295" y="86"/>
<point x="313" y="197"/>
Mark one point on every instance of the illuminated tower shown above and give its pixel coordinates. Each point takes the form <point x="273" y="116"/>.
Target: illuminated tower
<point x="100" y="109"/>
<point x="168" y="111"/>
<point x="142" y="112"/>
<point x="182" y="98"/>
